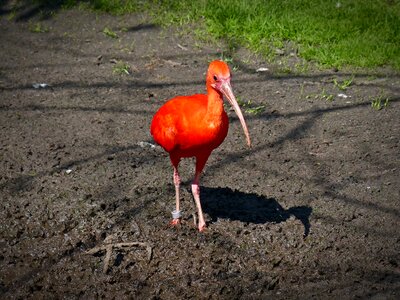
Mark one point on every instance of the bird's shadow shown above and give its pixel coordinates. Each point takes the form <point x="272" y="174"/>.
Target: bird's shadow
<point x="249" y="208"/>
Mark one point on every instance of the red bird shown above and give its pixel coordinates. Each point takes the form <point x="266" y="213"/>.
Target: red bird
<point x="188" y="126"/>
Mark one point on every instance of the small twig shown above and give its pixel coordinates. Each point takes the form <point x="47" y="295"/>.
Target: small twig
<point x="172" y="63"/>
<point x="137" y="227"/>
<point x="194" y="219"/>
<point x="109" y="247"/>
<point x="107" y="258"/>
<point x="182" y="47"/>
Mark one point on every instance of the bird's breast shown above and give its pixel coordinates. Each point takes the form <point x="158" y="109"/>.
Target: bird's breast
<point x="209" y="133"/>
<point x="184" y="124"/>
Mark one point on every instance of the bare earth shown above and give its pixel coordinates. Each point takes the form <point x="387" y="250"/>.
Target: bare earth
<point x="310" y="211"/>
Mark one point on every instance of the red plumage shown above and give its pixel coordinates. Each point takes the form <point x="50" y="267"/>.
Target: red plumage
<point x="193" y="126"/>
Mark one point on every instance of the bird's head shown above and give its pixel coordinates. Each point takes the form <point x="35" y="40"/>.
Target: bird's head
<point x="219" y="79"/>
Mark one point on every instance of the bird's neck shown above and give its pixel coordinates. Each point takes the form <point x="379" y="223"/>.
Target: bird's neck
<point x="215" y="105"/>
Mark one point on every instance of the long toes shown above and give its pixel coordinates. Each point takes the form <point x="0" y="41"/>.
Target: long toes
<point x="175" y="222"/>
<point x="202" y="228"/>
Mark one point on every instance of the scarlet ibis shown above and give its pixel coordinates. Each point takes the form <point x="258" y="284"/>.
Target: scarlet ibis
<point x="193" y="126"/>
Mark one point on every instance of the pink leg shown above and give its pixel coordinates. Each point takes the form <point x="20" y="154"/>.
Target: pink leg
<point x="177" y="182"/>
<point x="196" y="196"/>
<point x="200" y="163"/>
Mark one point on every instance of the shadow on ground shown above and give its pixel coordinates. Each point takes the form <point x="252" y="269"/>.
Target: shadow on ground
<point x="250" y="208"/>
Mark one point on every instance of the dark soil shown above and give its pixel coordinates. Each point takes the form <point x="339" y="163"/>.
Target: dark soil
<point x="310" y="211"/>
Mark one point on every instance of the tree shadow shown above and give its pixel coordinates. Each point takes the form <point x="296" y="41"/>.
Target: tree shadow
<point x="25" y="182"/>
<point x="26" y="10"/>
<point x="231" y="204"/>
<point x="143" y="26"/>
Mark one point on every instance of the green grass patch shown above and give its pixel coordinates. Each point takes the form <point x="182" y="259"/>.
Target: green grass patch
<point x="108" y="32"/>
<point x="38" y="28"/>
<point x="250" y="107"/>
<point x="363" y="33"/>
<point x="379" y="102"/>
<point x="332" y="33"/>
<point x="121" y="68"/>
<point x="116" y="7"/>
<point x="344" y="84"/>
<point x="323" y="95"/>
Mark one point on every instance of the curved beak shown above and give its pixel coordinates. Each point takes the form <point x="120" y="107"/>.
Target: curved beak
<point x="225" y="88"/>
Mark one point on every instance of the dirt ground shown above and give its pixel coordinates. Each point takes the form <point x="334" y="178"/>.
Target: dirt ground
<point x="310" y="211"/>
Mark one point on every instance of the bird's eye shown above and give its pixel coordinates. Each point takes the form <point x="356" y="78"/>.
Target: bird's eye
<point x="215" y="78"/>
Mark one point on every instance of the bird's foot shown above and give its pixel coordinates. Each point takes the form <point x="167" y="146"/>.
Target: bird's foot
<point x="202" y="227"/>
<point x="176" y="215"/>
<point x="175" y="222"/>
